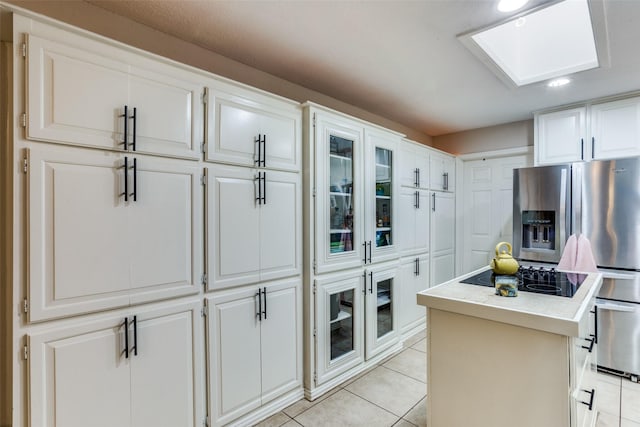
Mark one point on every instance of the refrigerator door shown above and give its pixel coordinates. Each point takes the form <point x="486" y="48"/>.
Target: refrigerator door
<point x="619" y="336"/>
<point x="541" y="212"/>
<point x="610" y="219"/>
<point x="625" y="290"/>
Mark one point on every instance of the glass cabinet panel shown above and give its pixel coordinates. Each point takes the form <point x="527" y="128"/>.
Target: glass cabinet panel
<point x="384" y="189"/>
<point x="341" y="323"/>
<point x="341" y="213"/>
<point x="384" y="306"/>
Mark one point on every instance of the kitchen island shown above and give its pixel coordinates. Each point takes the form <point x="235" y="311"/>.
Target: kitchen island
<point x="497" y="361"/>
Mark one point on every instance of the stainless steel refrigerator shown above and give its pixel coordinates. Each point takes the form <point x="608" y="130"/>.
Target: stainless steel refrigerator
<point x="600" y="199"/>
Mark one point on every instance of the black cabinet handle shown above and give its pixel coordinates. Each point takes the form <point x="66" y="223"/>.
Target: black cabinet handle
<point x="590" y="403"/>
<point x="581" y="148"/>
<point x="593" y="147"/>
<point x="418" y="264"/>
<point x="126" y="178"/>
<point x="134" y="117"/>
<point x="126" y="337"/>
<point x="258" y="142"/>
<point x="264" y="150"/>
<point x="371" y="282"/>
<point x="433" y="196"/>
<point x="264" y="295"/>
<point x="415" y="199"/>
<point x="415" y="267"/>
<point x="259" y="179"/>
<point x="446" y="181"/>
<point x="416" y="177"/>
<point x="365" y="252"/>
<point x="259" y="295"/>
<point x="369" y="244"/>
<point x="595" y="321"/>
<point x="126" y="128"/>
<point x="135" y="180"/>
<point x="135" y="335"/>
<point x="264" y="188"/>
<point x="364" y="278"/>
<point x="592" y="341"/>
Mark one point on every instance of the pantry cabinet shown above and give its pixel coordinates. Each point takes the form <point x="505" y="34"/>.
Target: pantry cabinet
<point x="255" y="347"/>
<point x="110" y="229"/>
<point x="601" y="129"/>
<point x="413" y="221"/>
<point x="143" y="368"/>
<point x="253" y="129"/>
<point x="414" y="277"/>
<point x="87" y="93"/>
<point x="442" y="244"/>
<point x="254" y="225"/>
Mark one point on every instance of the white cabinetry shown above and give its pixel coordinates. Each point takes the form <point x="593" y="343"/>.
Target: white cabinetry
<point x="255" y="347"/>
<point x="92" y="248"/>
<point x="443" y="172"/>
<point x="248" y="128"/>
<point x="442" y="245"/>
<point x="254" y="225"/>
<point x="414" y="277"/>
<point x="597" y="130"/>
<point x="413" y="165"/>
<point x="413" y="221"/>
<point x="141" y="369"/>
<point x="381" y="318"/>
<point x="78" y="91"/>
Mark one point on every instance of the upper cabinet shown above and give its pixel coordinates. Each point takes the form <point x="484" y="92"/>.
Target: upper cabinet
<point x="250" y="128"/>
<point x="443" y="172"/>
<point x="87" y="93"/>
<point x="594" y="131"/>
<point x="355" y="179"/>
<point x="413" y="165"/>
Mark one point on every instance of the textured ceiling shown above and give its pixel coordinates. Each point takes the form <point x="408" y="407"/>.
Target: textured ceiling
<point x="398" y="59"/>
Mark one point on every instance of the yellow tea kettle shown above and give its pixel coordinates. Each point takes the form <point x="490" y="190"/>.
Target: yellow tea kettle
<point x="504" y="263"/>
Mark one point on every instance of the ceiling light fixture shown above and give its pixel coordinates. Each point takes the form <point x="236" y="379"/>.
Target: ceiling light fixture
<point x="559" y="82"/>
<point x="511" y="5"/>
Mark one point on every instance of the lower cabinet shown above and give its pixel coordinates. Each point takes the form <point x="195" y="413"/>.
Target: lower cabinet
<point x="254" y="347"/>
<point x="414" y="277"/>
<point x="142" y="369"/>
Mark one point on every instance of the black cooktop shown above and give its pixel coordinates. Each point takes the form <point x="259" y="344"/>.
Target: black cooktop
<point x="539" y="280"/>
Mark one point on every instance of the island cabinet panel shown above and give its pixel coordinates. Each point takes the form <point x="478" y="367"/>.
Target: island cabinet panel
<point x="91" y="247"/>
<point x="85" y="92"/>
<point x="252" y="129"/>
<point x="254" y="347"/>
<point x="143" y="368"/>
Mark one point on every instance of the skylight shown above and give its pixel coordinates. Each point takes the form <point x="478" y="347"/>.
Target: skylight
<point x="547" y="43"/>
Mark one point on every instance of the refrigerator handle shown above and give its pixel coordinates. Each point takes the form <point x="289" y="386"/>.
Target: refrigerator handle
<point x="615" y="307"/>
<point x="562" y="223"/>
<point x="581" y="148"/>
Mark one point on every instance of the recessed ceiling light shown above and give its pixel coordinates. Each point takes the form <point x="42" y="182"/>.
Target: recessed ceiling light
<point x="511" y="5"/>
<point x="559" y="82"/>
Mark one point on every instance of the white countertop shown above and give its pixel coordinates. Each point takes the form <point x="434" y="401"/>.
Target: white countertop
<point x="550" y="313"/>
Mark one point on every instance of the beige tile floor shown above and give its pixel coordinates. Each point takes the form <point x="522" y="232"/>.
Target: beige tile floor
<point x="393" y="393"/>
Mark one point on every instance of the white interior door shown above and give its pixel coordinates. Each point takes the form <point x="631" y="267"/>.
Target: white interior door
<point x="165" y="228"/>
<point x="280" y="339"/>
<point x="233" y="218"/>
<point x="280" y="228"/>
<point x="78" y="248"/>
<point x="234" y="355"/>
<point x="79" y="376"/>
<point x="165" y="385"/>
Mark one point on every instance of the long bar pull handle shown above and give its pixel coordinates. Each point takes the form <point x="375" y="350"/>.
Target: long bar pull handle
<point x="590" y="403"/>
<point x="593" y="147"/>
<point x="416" y="177"/>
<point x="135" y="180"/>
<point x="259" y="179"/>
<point x="264" y="295"/>
<point x="126" y="179"/>
<point x="126" y="337"/>
<point x="133" y="137"/>
<point x="415" y="200"/>
<point x="369" y="244"/>
<point x="415" y="267"/>
<point x="365" y="252"/>
<point x="364" y="278"/>
<point x="418" y="199"/>
<point x="418" y="264"/>
<point x="258" y="141"/>
<point x="595" y="321"/>
<point x="264" y="188"/>
<point x="264" y="150"/>
<point x="371" y="282"/>
<point x="581" y="148"/>
<point x="446" y="181"/>
<point x="126" y="128"/>
<point x="433" y="196"/>
<point x="135" y="335"/>
<point x="259" y="295"/>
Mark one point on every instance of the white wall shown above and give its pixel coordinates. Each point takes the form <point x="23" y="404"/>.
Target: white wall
<point x="500" y="137"/>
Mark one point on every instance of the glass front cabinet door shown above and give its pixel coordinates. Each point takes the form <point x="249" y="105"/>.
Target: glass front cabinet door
<point x="340" y="316"/>
<point x="381" y="318"/>
<point x="339" y="194"/>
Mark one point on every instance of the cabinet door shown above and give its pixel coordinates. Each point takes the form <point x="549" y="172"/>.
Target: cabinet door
<point x="443" y="175"/>
<point x="442" y="237"/>
<point x="381" y="319"/>
<point x="615" y="128"/>
<point x="280" y="225"/>
<point x="442" y="268"/>
<point x="79" y="376"/>
<point x="74" y="96"/>
<point x="340" y="317"/>
<point x="280" y="338"/>
<point x="380" y="191"/>
<point x="408" y="200"/>
<point x="165" y="228"/>
<point x="166" y="372"/>
<point x="78" y="253"/>
<point x="422" y="162"/>
<point x="414" y="277"/>
<point x="169" y="110"/>
<point x="422" y="227"/>
<point x="560" y="136"/>
<point x="339" y="195"/>
<point x="246" y="129"/>
<point x="233" y="354"/>
<point x="233" y="223"/>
